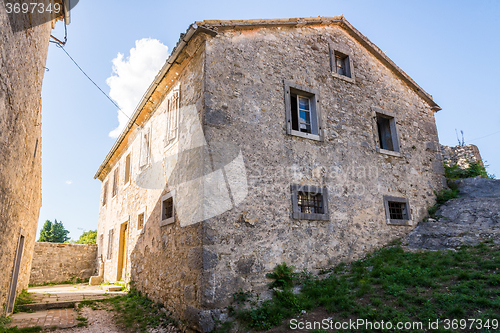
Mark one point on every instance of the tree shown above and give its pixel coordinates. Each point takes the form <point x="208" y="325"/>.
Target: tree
<point x="53" y="232"/>
<point x="88" y="237"/>
<point x="46" y="232"/>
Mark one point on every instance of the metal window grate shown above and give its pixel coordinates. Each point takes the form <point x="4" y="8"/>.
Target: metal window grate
<point x="397" y="210"/>
<point x="311" y="203"/>
<point x="168" y="208"/>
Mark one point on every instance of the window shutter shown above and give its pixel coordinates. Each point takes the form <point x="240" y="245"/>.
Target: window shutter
<point x="110" y="243"/>
<point x="172" y="116"/>
<point x="145" y="136"/>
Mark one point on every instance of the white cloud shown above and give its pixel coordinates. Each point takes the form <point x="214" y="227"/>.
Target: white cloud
<point x="69" y="182"/>
<point x="133" y="75"/>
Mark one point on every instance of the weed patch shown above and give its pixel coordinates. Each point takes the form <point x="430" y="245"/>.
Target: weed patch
<point x="134" y="311"/>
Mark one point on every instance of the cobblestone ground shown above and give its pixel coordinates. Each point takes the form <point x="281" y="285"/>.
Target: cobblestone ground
<point x="62" y="318"/>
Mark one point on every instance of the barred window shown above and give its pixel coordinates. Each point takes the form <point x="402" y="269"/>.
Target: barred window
<point x="397" y="210"/>
<point x="309" y="202"/>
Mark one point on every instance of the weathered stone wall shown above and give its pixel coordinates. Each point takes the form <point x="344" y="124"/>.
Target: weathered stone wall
<point x="461" y="155"/>
<point x="58" y="262"/>
<point x="245" y="104"/>
<point x="163" y="261"/>
<point x="22" y="66"/>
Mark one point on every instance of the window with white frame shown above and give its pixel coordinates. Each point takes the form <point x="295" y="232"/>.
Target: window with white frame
<point x="302" y="111"/>
<point x="145" y="147"/>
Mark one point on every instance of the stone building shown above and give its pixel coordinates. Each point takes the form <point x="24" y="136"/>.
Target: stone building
<point x="261" y="142"/>
<point x="24" y="41"/>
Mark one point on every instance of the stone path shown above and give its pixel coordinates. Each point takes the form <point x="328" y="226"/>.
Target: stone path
<point x="65" y="295"/>
<point x="470" y="219"/>
<point x="61" y="318"/>
<point x="54" y="305"/>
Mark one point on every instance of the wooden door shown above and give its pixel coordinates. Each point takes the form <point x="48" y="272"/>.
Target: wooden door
<point x="15" y="275"/>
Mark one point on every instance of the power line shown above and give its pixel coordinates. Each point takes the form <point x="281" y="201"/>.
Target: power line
<point x="95" y="84"/>
<point x="485" y="136"/>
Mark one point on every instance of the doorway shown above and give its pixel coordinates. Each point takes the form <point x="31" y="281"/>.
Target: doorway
<point x="15" y="275"/>
<point x="122" y="252"/>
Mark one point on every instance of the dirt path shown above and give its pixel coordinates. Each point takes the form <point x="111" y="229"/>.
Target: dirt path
<point x="101" y="321"/>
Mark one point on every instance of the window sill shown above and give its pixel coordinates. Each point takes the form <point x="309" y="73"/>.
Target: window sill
<point x="167" y="221"/>
<point x="306" y="135"/>
<point x="307" y="216"/>
<point x="126" y="185"/>
<point x="389" y="152"/>
<point x="398" y="222"/>
<point x="343" y="77"/>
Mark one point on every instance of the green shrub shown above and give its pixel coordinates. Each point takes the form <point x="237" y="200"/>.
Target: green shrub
<point x="283" y="276"/>
<point x="475" y="169"/>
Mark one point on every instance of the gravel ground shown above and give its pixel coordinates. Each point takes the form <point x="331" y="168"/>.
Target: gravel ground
<point x="101" y="321"/>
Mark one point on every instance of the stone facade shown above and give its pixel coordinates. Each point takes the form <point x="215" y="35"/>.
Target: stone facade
<point x="461" y="155"/>
<point x="59" y="262"/>
<point x="22" y="66"/>
<point x="233" y="187"/>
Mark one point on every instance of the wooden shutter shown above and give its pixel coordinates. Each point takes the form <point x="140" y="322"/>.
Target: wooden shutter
<point x="145" y="147"/>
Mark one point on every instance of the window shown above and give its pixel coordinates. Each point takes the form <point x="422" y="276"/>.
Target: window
<point x="115" y="182"/>
<point x="140" y="220"/>
<point x="105" y="193"/>
<point x="302" y="111"/>
<point x="145" y="147"/>
<point x="167" y="209"/>
<point x="127" y="169"/>
<point x="309" y="202"/>
<point x="110" y="244"/>
<point x="387" y="137"/>
<point x="171" y="106"/>
<point x="397" y="210"/>
<point x="341" y="63"/>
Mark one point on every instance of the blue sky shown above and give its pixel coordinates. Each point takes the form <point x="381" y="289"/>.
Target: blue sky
<point x="450" y="48"/>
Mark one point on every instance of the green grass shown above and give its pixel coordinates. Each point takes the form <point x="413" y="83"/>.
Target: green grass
<point x="23" y="298"/>
<point x="392" y="285"/>
<point x="133" y="311"/>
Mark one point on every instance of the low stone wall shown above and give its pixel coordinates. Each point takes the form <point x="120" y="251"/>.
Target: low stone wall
<point x="460" y="156"/>
<point x="56" y="262"/>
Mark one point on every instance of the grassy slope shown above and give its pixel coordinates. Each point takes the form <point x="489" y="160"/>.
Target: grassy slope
<point x="393" y="285"/>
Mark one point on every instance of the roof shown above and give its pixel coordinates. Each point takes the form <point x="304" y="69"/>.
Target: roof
<point x="212" y="27"/>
